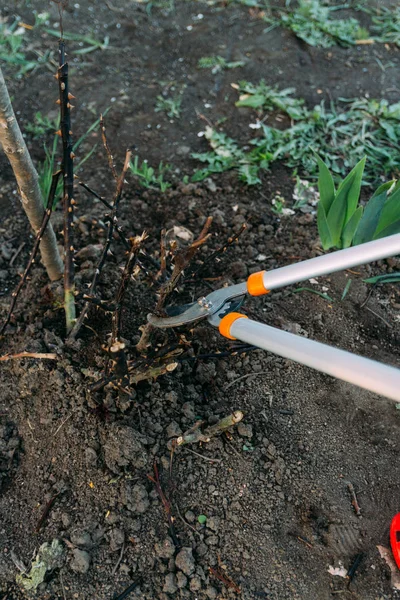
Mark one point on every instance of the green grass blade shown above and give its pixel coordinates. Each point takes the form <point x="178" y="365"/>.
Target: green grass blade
<point x="387" y="278"/>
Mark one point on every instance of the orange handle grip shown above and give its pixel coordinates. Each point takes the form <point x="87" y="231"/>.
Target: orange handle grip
<point x="255" y="284"/>
<point x="226" y="324"/>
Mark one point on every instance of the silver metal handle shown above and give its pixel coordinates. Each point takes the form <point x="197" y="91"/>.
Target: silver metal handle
<point x="365" y="373"/>
<point x="329" y="263"/>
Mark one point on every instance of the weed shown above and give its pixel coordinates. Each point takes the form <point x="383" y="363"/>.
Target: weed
<point x="343" y="134"/>
<point x="42" y="125"/>
<point x="312" y="23"/>
<point x="343" y="222"/>
<point x="226" y="155"/>
<point x="12" y="46"/>
<point x="171" y="106"/>
<point x="148" y="177"/>
<point x="387" y="25"/>
<point x="87" y="43"/>
<point x="270" y="98"/>
<point x="218" y="63"/>
<point x="49" y="165"/>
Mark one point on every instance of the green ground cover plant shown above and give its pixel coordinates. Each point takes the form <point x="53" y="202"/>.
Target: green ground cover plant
<point x="342" y="132"/>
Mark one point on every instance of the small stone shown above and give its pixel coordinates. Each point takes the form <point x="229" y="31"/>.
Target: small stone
<point x="211" y="592"/>
<point x="81" y="539"/>
<point x="195" y="584"/>
<point x="181" y="580"/>
<point x="188" y="410"/>
<point x="81" y="561"/>
<point x="166" y="549"/>
<point x="117" y="538"/>
<point x="90" y="457"/>
<point x="136" y="498"/>
<point x="124" y="447"/>
<point x="185" y="561"/>
<point x="245" y="430"/>
<point x="173" y="430"/>
<point x="170" y="585"/>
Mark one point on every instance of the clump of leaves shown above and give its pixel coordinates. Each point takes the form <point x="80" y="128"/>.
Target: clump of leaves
<point x="311" y="21"/>
<point x="171" y="106"/>
<point x="270" y="98"/>
<point x="49" y="557"/>
<point x="387" y="25"/>
<point x="86" y="43"/>
<point x="343" y="222"/>
<point x="226" y="155"/>
<point x="149" y="177"/>
<point x="42" y="125"/>
<point x="343" y="134"/>
<point x="12" y="45"/>
<point x="218" y="63"/>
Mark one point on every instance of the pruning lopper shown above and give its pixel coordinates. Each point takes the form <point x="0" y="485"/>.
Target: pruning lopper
<point x="220" y="308"/>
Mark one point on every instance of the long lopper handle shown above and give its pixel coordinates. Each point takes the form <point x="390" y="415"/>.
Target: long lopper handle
<point x="264" y="281"/>
<point x="364" y="372"/>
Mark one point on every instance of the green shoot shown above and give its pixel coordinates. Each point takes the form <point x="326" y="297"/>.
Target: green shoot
<point x="269" y="98"/>
<point x="171" y="106"/>
<point x="316" y="292"/>
<point x="218" y="64"/>
<point x="387" y="25"/>
<point x="148" y="177"/>
<point x="87" y="43"/>
<point x="387" y="278"/>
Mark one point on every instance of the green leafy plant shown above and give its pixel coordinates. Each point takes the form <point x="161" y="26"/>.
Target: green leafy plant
<point x="342" y="133"/>
<point x="270" y="98"/>
<point x="311" y="21"/>
<point x="218" y="63"/>
<point x="42" y="125"/>
<point x="87" y="43"/>
<point x="171" y="106"/>
<point x="48" y="166"/>
<point x="387" y="25"/>
<point x="343" y="222"/>
<point x="13" y="51"/>
<point x="148" y="177"/>
<point x="226" y="155"/>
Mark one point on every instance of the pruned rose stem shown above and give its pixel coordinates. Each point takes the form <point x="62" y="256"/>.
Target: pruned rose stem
<point x="39" y="236"/>
<point x="67" y="168"/>
<point x="112" y="221"/>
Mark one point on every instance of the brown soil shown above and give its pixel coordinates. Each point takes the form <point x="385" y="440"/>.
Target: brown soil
<point x="274" y="491"/>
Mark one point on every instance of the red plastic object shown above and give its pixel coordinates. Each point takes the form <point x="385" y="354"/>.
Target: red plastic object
<point x="395" y="538"/>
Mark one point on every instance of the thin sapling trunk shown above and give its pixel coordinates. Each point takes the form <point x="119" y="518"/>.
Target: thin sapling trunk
<point x="28" y="182"/>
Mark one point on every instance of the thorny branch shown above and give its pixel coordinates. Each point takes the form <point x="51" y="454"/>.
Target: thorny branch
<point x="182" y="259"/>
<point x="39" y="235"/>
<point x="111" y="225"/>
<point x="67" y="168"/>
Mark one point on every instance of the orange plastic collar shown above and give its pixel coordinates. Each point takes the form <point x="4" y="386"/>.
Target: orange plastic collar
<point x="226" y="324"/>
<point x="255" y="284"/>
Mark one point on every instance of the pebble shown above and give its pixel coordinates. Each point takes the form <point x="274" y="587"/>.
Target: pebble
<point x="195" y="584"/>
<point x="245" y="430"/>
<point x="185" y="561"/>
<point x="181" y="580"/>
<point x="136" y="498"/>
<point x="165" y="549"/>
<point x="173" y="430"/>
<point x="117" y="538"/>
<point x="170" y="585"/>
<point x="81" y="561"/>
